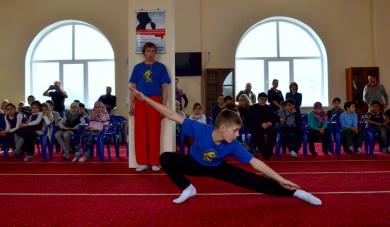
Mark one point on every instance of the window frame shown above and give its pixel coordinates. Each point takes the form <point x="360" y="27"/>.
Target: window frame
<point x="317" y="40"/>
<point x="42" y="35"/>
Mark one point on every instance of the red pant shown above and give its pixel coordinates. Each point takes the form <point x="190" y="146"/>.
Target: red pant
<point x="147" y="123"/>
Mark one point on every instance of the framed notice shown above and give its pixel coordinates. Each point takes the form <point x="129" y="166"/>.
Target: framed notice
<point x="150" y="28"/>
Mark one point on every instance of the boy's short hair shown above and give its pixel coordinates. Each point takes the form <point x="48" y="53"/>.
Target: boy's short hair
<point x="262" y="95"/>
<point x="290" y="101"/>
<point x="348" y="104"/>
<point x="148" y="45"/>
<point x="81" y="105"/>
<point x="336" y="99"/>
<point x="227" y="117"/>
<point x="227" y="98"/>
<point x="375" y="102"/>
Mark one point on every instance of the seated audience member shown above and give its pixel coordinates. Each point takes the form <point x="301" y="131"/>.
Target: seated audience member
<point x="98" y="120"/>
<point x="13" y="120"/>
<point x="262" y="119"/>
<point x="290" y="122"/>
<point x="178" y="109"/>
<point x="68" y="125"/>
<point x="84" y="112"/>
<point x="228" y="103"/>
<point x="351" y="135"/>
<point x="21" y="109"/>
<point x="243" y="109"/>
<point x="3" y="105"/>
<point x="318" y="124"/>
<point x="197" y="114"/>
<point x="25" y="136"/>
<point x="218" y="108"/>
<point x="56" y="115"/>
<point x="336" y="109"/>
<point x="379" y="121"/>
<point x="48" y="121"/>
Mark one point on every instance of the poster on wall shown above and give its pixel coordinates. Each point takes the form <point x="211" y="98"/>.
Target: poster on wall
<point x="150" y="28"/>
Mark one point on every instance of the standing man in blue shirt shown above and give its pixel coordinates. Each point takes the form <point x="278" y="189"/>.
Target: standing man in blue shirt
<point x="207" y="156"/>
<point x="152" y="79"/>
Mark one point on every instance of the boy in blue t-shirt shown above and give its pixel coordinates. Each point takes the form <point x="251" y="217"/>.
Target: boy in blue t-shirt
<point x="350" y="128"/>
<point x="207" y="154"/>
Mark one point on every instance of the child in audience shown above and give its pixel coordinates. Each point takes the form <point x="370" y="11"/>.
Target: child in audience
<point x="207" y="156"/>
<point x="351" y="135"/>
<point x="318" y="124"/>
<point x="84" y="112"/>
<point x="228" y="103"/>
<point x="99" y="119"/>
<point x="2" y="107"/>
<point x="56" y="115"/>
<point x="336" y="103"/>
<point x="378" y="120"/>
<point x="48" y="121"/>
<point x="68" y="125"/>
<point x="197" y="114"/>
<point x="290" y="121"/>
<point x="25" y="136"/>
<point x="13" y="120"/>
<point x="243" y="109"/>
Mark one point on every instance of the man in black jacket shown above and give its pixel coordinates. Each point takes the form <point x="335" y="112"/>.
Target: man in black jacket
<point x="262" y="119"/>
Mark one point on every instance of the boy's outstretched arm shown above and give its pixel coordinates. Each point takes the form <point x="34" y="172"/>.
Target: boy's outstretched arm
<point x="168" y="113"/>
<point x="264" y="168"/>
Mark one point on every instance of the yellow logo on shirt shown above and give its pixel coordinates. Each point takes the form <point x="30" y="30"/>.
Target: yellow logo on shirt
<point x="148" y="76"/>
<point x="208" y="156"/>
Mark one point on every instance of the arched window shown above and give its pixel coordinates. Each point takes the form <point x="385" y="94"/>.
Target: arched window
<point x="285" y="49"/>
<point x="75" y="53"/>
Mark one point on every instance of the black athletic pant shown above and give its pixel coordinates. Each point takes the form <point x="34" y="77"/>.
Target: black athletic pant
<point x="264" y="140"/>
<point x="177" y="165"/>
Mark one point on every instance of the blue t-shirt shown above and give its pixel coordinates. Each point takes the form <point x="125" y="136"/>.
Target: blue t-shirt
<point x="205" y="151"/>
<point x="149" y="78"/>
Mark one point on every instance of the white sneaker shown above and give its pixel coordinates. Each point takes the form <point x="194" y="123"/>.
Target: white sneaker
<point x="75" y="159"/>
<point x="358" y="150"/>
<point x="156" y="168"/>
<point x="293" y="154"/>
<point x="141" y="168"/>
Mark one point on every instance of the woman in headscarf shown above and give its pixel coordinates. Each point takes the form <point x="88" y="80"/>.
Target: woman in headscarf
<point x="99" y="119"/>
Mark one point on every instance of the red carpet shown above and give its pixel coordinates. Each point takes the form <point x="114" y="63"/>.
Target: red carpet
<point x="355" y="191"/>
